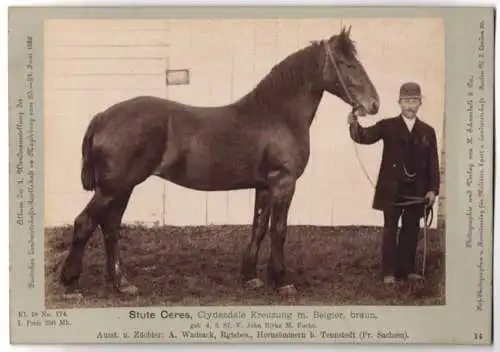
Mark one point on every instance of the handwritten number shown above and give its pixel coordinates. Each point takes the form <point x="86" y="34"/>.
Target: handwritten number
<point x="478" y="336"/>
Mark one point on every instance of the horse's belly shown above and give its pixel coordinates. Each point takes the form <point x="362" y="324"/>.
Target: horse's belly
<point x="209" y="173"/>
<point x="217" y="172"/>
<point x="214" y="162"/>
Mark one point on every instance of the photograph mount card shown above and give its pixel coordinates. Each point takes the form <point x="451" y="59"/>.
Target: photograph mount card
<point x="269" y="174"/>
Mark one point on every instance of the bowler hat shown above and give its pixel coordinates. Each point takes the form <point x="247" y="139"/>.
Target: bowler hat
<point x="410" y="90"/>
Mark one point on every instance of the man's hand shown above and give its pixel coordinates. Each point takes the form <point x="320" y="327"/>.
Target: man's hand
<point x="352" y="118"/>
<point x="430" y="197"/>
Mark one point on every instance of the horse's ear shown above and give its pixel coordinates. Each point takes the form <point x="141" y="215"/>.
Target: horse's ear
<point x="345" y="32"/>
<point x="343" y="42"/>
<point x="348" y="32"/>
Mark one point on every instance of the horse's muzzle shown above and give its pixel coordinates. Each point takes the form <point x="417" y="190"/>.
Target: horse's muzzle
<point x="366" y="109"/>
<point x="375" y="105"/>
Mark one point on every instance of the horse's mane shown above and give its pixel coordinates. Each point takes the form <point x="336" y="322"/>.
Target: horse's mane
<point x="296" y="70"/>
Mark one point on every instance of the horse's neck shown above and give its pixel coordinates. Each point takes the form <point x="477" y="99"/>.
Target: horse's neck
<point x="303" y="106"/>
<point x="291" y="88"/>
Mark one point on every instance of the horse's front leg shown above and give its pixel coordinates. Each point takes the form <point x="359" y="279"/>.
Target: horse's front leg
<point x="282" y="194"/>
<point x="262" y="210"/>
<point x="111" y="228"/>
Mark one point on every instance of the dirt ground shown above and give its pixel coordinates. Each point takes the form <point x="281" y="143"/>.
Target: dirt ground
<point x="196" y="266"/>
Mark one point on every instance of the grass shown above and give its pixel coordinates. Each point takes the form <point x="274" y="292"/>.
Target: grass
<point x="193" y="266"/>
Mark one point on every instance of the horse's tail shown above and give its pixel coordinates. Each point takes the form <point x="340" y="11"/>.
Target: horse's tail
<point x="88" y="168"/>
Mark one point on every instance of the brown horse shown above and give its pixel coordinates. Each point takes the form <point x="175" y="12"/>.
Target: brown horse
<point x="260" y="142"/>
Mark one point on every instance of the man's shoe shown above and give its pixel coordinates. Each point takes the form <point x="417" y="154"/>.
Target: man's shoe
<point x="389" y="279"/>
<point x="415" y="277"/>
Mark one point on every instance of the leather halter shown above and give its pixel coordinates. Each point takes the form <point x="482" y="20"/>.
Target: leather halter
<point x="331" y="58"/>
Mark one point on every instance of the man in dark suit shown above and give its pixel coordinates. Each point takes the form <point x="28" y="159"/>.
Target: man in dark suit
<point x="409" y="167"/>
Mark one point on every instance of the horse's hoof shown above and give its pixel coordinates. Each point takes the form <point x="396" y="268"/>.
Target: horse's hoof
<point x="69" y="275"/>
<point x="72" y="293"/>
<point x="128" y="290"/>
<point x="288" y="292"/>
<point x="73" y="296"/>
<point x="253" y="284"/>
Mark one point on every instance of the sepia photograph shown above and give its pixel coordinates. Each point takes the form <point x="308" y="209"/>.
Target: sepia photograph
<point x="312" y="174"/>
<point x="244" y="162"/>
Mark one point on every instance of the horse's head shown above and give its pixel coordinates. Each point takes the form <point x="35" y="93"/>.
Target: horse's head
<point x="344" y="76"/>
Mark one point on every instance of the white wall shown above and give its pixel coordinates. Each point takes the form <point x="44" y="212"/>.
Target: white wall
<point x="90" y="64"/>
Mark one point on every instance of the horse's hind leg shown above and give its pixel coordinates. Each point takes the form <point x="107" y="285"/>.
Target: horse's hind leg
<point x="84" y="227"/>
<point x="111" y="228"/>
<point x="262" y="210"/>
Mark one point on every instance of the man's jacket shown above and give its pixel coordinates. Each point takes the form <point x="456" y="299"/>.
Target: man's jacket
<point x="396" y="138"/>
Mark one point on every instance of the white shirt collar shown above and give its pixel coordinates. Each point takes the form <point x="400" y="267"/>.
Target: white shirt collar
<point x="409" y="122"/>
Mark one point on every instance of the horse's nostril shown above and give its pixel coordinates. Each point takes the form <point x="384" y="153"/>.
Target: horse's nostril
<point x="375" y="106"/>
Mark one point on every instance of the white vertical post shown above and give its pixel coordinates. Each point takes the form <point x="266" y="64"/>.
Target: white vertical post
<point x="165" y="184"/>
<point x="172" y="77"/>
<point x="441" y="206"/>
